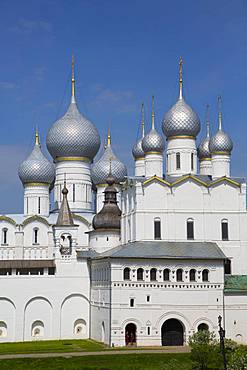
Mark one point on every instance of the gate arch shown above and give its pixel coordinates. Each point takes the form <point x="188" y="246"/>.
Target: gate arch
<point x="172" y="333"/>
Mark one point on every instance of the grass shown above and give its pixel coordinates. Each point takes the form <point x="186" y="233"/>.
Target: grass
<point x="180" y="361"/>
<point x="51" y="346"/>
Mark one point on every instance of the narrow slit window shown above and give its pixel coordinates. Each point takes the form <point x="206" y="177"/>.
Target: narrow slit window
<point x="126" y="273"/>
<point x="227" y="267"/>
<point x="224" y="230"/>
<point x="132" y="302"/>
<point x="5" y="236"/>
<point x="157" y="229"/>
<point x="190" y="229"/>
<point x="140" y="274"/>
<point x="38" y="205"/>
<point x="73" y="192"/>
<point x="166" y="275"/>
<point x="179" y="275"/>
<point x="192" y="275"/>
<point x="178" y="161"/>
<point x="36" y="236"/>
<point x="205" y="275"/>
<point x="192" y="161"/>
<point x="153" y="274"/>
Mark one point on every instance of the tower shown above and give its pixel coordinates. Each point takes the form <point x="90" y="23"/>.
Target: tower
<point x="153" y="147"/>
<point x="220" y="146"/>
<point x="37" y="175"/>
<point x="203" y="151"/>
<point x="73" y="141"/>
<point x="181" y="125"/>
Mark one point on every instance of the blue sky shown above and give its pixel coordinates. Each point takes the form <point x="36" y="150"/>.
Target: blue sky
<point x="125" y="51"/>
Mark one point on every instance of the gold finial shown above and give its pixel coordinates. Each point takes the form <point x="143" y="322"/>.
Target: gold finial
<point x="220" y="112"/>
<point x="180" y="78"/>
<point x="109" y="137"/>
<point x="37" y="136"/>
<point x="152" y="112"/>
<point x="143" y="122"/>
<point x="73" y="77"/>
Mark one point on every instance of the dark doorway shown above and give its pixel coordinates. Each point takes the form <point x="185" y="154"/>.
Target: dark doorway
<point x="130" y="334"/>
<point x="172" y="333"/>
<point x="202" y="327"/>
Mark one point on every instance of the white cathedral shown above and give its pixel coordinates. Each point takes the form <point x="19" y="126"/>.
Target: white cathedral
<point x="140" y="260"/>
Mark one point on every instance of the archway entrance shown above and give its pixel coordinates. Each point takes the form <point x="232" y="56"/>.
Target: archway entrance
<point x="130" y="334"/>
<point x="172" y="333"/>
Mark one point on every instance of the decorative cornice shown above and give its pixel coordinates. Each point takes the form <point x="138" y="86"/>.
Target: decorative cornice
<point x="221" y="153"/>
<point x="101" y="185"/>
<point x="205" y="159"/>
<point x="35" y="218"/>
<point x="139" y="159"/>
<point x="36" y="184"/>
<point x="184" y="178"/>
<point x="181" y="137"/>
<point x="7" y="219"/>
<point x="80" y="218"/>
<point x="160" y="153"/>
<point x="81" y="159"/>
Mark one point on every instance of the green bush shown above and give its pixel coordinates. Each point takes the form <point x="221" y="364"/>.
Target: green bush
<point x="238" y="360"/>
<point x="205" y="351"/>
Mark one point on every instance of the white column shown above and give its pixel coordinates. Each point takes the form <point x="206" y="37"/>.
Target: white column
<point x="36" y="199"/>
<point x="78" y="183"/>
<point x="153" y="164"/>
<point x="206" y="167"/>
<point x="185" y="149"/>
<point x="140" y="167"/>
<point x="220" y="165"/>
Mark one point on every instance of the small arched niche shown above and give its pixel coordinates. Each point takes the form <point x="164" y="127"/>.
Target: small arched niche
<point x="3" y="330"/>
<point x="80" y="328"/>
<point x="38" y="329"/>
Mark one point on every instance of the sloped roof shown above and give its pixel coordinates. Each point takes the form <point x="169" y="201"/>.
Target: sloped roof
<point x="164" y="249"/>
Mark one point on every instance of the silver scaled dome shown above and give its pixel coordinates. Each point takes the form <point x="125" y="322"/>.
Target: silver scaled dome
<point x="221" y="142"/>
<point x="153" y="141"/>
<point x="203" y="148"/>
<point x="137" y="150"/>
<point x="73" y="135"/>
<point x="100" y="169"/>
<point x="181" y="120"/>
<point x="36" y="168"/>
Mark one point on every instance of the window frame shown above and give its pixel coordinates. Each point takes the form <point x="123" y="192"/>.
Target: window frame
<point x="207" y="272"/>
<point x="164" y="274"/>
<point x="157" y="222"/>
<point x="182" y="275"/>
<point x="153" y="271"/>
<point x="140" y="270"/>
<point x="126" y="270"/>
<point x="192" y="275"/>
<point x="190" y="232"/>
<point x="224" y="232"/>
<point x="178" y="161"/>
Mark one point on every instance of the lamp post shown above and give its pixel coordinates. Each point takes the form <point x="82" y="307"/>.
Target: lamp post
<point x="222" y="333"/>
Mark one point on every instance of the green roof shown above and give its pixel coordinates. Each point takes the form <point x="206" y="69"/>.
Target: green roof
<point x="236" y="283"/>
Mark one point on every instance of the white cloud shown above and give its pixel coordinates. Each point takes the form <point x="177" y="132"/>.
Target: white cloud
<point x="121" y="101"/>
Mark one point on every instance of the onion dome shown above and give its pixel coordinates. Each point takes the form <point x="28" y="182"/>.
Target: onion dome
<point x="110" y="214"/>
<point x="137" y="150"/>
<point x="73" y="135"/>
<point x="36" y="168"/>
<point x="220" y="143"/>
<point x="100" y="169"/>
<point x="181" y="120"/>
<point x="203" y="148"/>
<point x="153" y="141"/>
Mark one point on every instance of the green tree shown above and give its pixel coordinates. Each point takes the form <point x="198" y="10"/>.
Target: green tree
<point x="205" y="351"/>
<point x="238" y="360"/>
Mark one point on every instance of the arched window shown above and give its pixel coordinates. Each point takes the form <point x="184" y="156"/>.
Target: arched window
<point x="153" y="274"/>
<point x="190" y="229"/>
<point x="37" y="329"/>
<point x="178" y="162"/>
<point x="126" y="273"/>
<point x="3" y="329"/>
<point x="166" y="275"/>
<point x="157" y="228"/>
<point x="192" y="275"/>
<point x="35" y="235"/>
<point x="140" y="274"/>
<point x="205" y="275"/>
<point x="5" y="236"/>
<point x="192" y="161"/>
<point x="203" y="327"/>
<point x="179" y="275"/>
<point x="224" y="230"/>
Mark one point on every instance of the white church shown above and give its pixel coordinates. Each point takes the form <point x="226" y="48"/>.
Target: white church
<point x="144" y="260"/>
